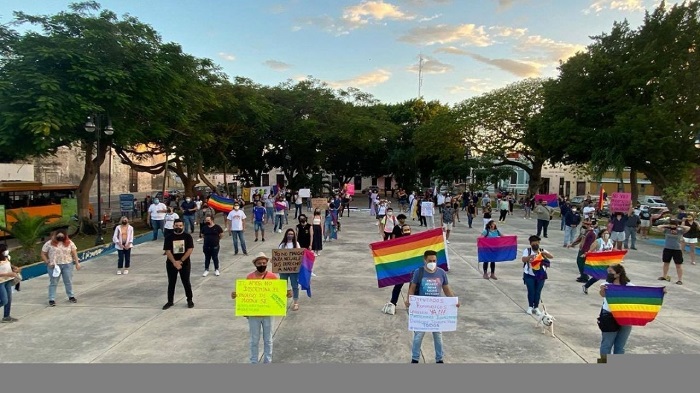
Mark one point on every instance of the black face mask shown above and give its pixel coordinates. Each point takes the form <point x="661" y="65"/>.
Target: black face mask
<point x="178" y="230"/>
<point x="124" y="222"/>
<point x="610" y="278"/>
<point x="210" y="223"/>
<point x="261" y="268"/>
<point x="60" y="238"/>
<point x="535" y="247"/>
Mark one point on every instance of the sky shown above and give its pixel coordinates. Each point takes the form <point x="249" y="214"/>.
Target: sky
<point x="468" y="47"/>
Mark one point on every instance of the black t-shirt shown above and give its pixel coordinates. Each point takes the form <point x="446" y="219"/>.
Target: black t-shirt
<point x="304" y="235"/>
<point x="178" y="244"/>
<point x="186" y="206"/>
<point x="211" y="235"/>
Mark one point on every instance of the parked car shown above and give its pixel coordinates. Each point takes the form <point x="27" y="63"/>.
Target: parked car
<point x="579" y="199"/>
<point x="651" y="201"/>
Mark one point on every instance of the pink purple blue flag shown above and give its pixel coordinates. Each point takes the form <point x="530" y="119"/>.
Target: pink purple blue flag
<point x="307" y="266"/>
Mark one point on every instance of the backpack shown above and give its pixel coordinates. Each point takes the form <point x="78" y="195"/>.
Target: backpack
<point x="420" y="279"/>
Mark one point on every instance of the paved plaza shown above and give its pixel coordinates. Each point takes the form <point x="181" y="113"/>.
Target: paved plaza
<point x="118" y="319"/>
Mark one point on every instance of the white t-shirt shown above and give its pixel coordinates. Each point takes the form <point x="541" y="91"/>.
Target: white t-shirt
<point x="382" y="210"/>
<point x="289" y="245"/>
<point x="236" y="217"/>
<point x="170" y="220"/>
<point x="440" y="199"/>
<point x="604" y="246"/>
<point x="153" y="211"/>
<point x="426" y="209"/>
<point x="199" y="204"/>
<point x="527" y="269"/>
<point x="5" y="268"/>
<point x="299" y="200"/>
<point x="606" y="307"/>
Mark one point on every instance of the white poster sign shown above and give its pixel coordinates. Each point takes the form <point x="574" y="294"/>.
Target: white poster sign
<point x="305" y="193"/>
<point x="432" y="314"/>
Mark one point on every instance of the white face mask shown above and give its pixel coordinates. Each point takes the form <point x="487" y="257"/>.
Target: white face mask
<point x="431" y="265"/>
<point x="6" y="253"/>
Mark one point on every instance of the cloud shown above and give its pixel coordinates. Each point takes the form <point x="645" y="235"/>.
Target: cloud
<point x="431" y="66"/>
<point x="277" y="65"/>
<point x="551" y="50"/>
<point x="368" y="79"/>
<point x="227" y="56"/>
<point x="509" y="32"/>
<point x="278" y="8"/>
<point x="519" y="68"/>
<point x="429" y="18"/>
<point x="598" y="6"/>
<point x="467" y="34"/>
<point x="361" y="14"/>
<point x="421" y="3"/>
<point x="505" y="4"/>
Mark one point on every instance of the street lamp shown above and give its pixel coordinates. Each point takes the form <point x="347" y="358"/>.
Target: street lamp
<point x="93" y="124"/>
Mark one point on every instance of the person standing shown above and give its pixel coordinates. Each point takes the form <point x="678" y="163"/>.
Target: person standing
<point x="491" y="230"/>
<point x="57" y="254"/>
<point x="280" y="207"/>
<point x="305" y="232"/>
<point x="8" y="273"/>
<point x="672" y="248"/>
<point x="202" y="214"/>
<point x="448" y="220"/>
<point x="255" y="324"/>
<point x="429" y="280"/>
<point x="123" y="240"/>
<point x="189" y="209"/>
<point x="691" y="237"/>
<point x="535" y="263"/>
<point x="156" y="217"/>
<point x="235" y="222"/>
<point x="617" y="234"/>
<point x="602" y="244"/>
<point x="644" y="222"/>
<point x="178" y="248"/>
<point x="317" y="238"/>
<point x="270" y="208"/>
<point x="212" y="244"/>
<point x="487" y="215"/>
<point x="544" y="216"/>
<point x="259" y="213"/>
<point x="586" y="240"/>
<point x="426" y="211"/>
<point x="387" y="224"/>
<point x="288" y="242"/>
<point x="571" y="220"/>
<point x="403" y="230"/>
<point x="631" y="227"/>
<point x="297" y="204"/>
<point x="503" y="206"/>
<point x="471" y="212"/>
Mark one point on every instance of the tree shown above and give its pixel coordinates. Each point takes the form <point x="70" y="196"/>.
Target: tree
<point x="28" y="229"/>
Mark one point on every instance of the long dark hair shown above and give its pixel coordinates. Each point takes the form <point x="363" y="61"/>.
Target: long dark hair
<point x="619" y="269"/>
<point x="66" y="239"/>
<point x="284" y="239"/>
<point x="3" y="248"/>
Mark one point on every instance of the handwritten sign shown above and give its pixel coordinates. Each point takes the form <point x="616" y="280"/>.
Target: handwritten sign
<point x="261" y="298"/>
<point x="319" y="203"/>
<point x="432" y="314"/>
<point x="287" y="260"/>
<point x="305" y="193"/>
<point x="350" y="188"/>
<point x="620" y="202"/>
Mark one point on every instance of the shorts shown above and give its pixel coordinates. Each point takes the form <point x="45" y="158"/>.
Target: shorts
<point x="380" y="216"/>
<point x="645" y="223"/>
<point x="690" y="240"/>
<point x="258" y="226"/>
<point x="676" y="255"/>
<point x="617" y="236"/>
<point x="448" y="226"/>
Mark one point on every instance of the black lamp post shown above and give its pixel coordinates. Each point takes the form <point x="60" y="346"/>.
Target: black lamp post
<point x="94" y="123"/>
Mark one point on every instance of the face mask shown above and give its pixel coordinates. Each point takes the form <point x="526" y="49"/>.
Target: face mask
<point x="303" y="221"/>
<point x="6" y="253"/>
<point x="261" y="268"/>
<point x="606" y="236"/>
<point x="188" y="199"/>
<point x="535" y="247"/>
<point x="390" y="214"/>
<point x="290" y="238"/>
<point x="156" y="201"/>
<point x="210" y="223"/>
<point x="179" y="230"/>
<point x="235" y="208"/>
<point x="610" y="278"/>
<point x="60" y="238"/>
<point x="431" y="265"/>
<point x="124" y="222"/>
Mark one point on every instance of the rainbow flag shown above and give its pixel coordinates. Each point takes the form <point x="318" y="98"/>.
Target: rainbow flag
<point x="220" y="204"/>
<point x="307" y="266"/>
<point x="597" y="262"/>
<point x="497" y="249"/>
<point x="551" y="199"/>
<point x="395" y="260"/>
<point x="633" y="305"/>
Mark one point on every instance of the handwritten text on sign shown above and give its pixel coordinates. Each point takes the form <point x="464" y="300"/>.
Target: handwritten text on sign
<point x="261" y="298"/>
<point x="287" y="260"/>
<point x="432" y="314"/>
<point x="319" y="203"/>
<point x="620" y="202"/>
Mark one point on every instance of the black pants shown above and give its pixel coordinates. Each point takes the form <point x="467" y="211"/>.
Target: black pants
<point x="542" y="226"/>
<point x="184" y="277"/>
<point x="211" y="252"/>
<point x="504" y="214"/>
<point x="388" y="235"/>
<point x="395" y="293"/>
<point x="423" y="221"/>
<point x="493" y="267"/>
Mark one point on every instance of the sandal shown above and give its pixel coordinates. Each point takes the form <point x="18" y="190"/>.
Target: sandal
<point x="679" y="282"/>
<point x="295" y="307"/>
<point x="667" y="278"/>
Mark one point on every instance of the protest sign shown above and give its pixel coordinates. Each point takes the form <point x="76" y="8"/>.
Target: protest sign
<point x="287" y="260"/>
<point x="432" y="314"/>
<point x="305" y="193"/>
<point x="319" y="203"/>
<point x="620" y="202"/>
<point x="261" y="298"/>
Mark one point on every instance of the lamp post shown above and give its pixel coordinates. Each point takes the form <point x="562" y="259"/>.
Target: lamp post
<point x="94" y="123"/>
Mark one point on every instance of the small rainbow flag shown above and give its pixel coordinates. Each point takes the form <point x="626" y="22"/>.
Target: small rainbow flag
<point x="633" y="305"/>
<point x="220" y="203"/>
<point x="307" y="266"/>
<point x="497" y="249"/>
<point x="395" y="260"/>
<point x="597" y="262"/>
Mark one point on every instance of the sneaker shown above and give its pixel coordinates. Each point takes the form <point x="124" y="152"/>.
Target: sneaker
<point x="52" y="303"/>
<point x="584" y="289"/>
<point x="206" y="273"/>
<point x="486" y="276"/>
<point x="537" y="311"/>
<point x="493" y="277"/>
<point x="389" y="309"/>
<point x="256" y="239"/>
<point x="634" y="248"/>
<point x="167" y="305"/>
<point x="199" y="240"/>
<point x="529" y="311"/>
<point x="414" y="361"/>
<point x="119" y="272"/>
<point x="73" y="300"/>
<point x="667" y="278"/>
<point x="190" y="304"/>
<point x="9" y="320"/>
<point x="126" y="272"/>
<point x="313" y="274"/>
<point x="263" y="239"/>
<point x="439" y="362"/>
<point x="448" y="242"/>
<point x="216" y="273"/>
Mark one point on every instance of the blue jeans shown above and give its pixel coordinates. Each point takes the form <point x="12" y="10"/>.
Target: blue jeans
<point x="269" y="214"/>
<point x="569" y="235"/>
<point x="616" y="340"/>
<point x="255" y="323"/>
<point x="189" y="223"/>
<point x="258" y="225"/>
<point x="294" y="279"/>
<point x="630" y="233"/>
<point x="6" y="297"/>
<point x="542" y="226"/>
<point x="418" y="341"/>
<point x="278" y="222"/>
<point x="297" y="211"/>
<point x="156" y="225"/>
<point x="238" y="235"/>
<point x="67" y="274"/>
<point x="534" y="290"/>
<point x="470" y="220"/>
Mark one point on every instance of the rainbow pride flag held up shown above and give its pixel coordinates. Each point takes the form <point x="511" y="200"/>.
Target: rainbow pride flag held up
<point x="497" y="249"/>
<point x="307" y="266"/>
<point x="597" y="262"/>
<point x="220" y="204"/>
<point x="633" y="305"/>
<point x="551" y="199"/>
<point x="395" y="260"/>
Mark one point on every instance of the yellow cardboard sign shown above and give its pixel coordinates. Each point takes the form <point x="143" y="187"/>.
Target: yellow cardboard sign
<point x="261" y="298"/>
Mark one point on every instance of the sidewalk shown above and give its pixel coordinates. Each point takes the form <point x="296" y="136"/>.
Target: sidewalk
<point x="118" y="319"/>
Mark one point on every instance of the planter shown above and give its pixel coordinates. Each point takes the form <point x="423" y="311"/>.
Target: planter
<point x="39" y="268"/>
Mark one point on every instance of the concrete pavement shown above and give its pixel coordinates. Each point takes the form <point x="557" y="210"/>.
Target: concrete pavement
<point x="118" y="319"/>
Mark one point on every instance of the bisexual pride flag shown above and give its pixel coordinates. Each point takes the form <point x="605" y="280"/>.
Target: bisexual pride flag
<point x="307" y="266"/>
<point x="497" y="249"/>
<point x="220" y="204"/>
<point x="633" y="305"/>
<point x="597" y="262"/>
<point x="551" y="199"/>
<point x="395" y="260"/>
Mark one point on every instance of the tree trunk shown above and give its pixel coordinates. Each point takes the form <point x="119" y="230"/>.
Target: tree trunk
<point x="204" y="178"/>
<point x="91" y="165"/>
<point x="535" y="177"/>
<point x="634" y="189"/>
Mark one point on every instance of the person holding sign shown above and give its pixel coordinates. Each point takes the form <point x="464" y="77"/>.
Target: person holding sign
<point x="256" y="323"/>
<point x="428" y="280"/>
<point x="288" y="242"/>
